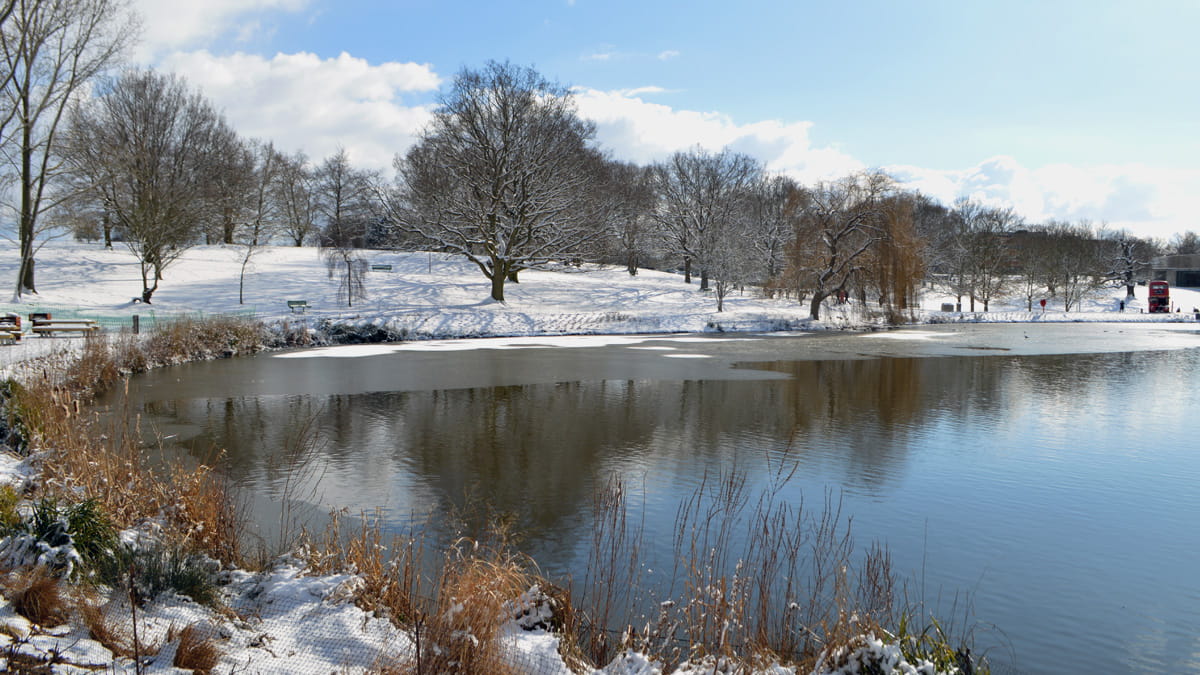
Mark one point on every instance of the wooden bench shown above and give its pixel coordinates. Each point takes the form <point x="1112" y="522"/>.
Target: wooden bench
<point x="9" y="336"/>
<point x="381" y="268"/>
<point x="298" y="306"/>
<point x="48" y="327"/>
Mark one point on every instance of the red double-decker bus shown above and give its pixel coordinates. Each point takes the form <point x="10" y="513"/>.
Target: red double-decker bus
<point x="1160" y="297"/>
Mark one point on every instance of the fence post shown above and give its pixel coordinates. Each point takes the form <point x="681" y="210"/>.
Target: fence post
<point x="135" y="324"/>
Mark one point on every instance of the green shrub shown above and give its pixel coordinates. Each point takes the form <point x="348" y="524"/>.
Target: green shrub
<point x="10" y="517"/>
<point x="64" y="539"/>
<point x="84" y="525"/>
<point x="158" y="568"/>
<point x="934" y="645"/>
<point x="13" y="432"/>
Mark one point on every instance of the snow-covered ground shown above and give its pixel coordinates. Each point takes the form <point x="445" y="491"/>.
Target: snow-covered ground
<point x="291" y="623"/>
<point x="428" y="296"/>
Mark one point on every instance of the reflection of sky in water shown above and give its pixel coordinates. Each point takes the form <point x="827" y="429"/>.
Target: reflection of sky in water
<point x="1059" y="491"/>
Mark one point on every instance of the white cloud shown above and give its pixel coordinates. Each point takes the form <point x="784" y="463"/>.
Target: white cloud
<point x="303" y="102"/>
<point x="667" y="54"/>
<point x="643" y="132"/>
<point x="639" y="91"/>
<point x="1150" y="202"/>
<point x="171" y="26"/>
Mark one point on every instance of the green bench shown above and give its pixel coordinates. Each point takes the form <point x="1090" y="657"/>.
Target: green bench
<point x="48" y="327"/>
<point x="298" y="306"/>
<point x="381" y="268"/>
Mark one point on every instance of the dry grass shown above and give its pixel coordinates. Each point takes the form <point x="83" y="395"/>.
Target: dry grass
<point x="38" y="596"/>
<point x="455" y="621"/>
<point x="756" y="581"/>
<point x="475" y="589"/>
<point x="197" y="650"/>
<point x="389" y="573"/>
<point x="115" y="638"/>
<point x="109" y="464"/>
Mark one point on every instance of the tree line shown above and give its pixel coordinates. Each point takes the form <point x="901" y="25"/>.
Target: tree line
<point x="506" y="175"/>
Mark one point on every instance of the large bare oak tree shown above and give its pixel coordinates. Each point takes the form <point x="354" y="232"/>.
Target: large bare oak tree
<point x="498" y="175"/>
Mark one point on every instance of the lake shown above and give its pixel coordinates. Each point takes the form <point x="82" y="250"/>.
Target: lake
<point x="1043" y="476"/>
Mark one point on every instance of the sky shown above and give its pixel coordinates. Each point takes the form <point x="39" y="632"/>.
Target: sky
<point x="1066" y="110"/>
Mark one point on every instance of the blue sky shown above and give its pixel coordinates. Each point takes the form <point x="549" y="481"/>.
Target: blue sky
<point x="1070" y="110"/>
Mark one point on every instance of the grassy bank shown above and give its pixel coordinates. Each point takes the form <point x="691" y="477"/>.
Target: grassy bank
<point x="99" y="535"/>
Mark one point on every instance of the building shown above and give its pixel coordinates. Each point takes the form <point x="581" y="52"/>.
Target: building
<point x="1177" y="270"/>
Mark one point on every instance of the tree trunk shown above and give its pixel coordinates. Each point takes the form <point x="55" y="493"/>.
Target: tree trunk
<point x="687" y="270"/>
<point x="704" y="279"/>
<point x="148" y="289"/>
<point x="498" y="285"/>
<point x="25" y="278"/>
<point x="27" y="273"/>
<point x="814" y="308"/>
<point x="242" y="278"/>
<point x="512" y="276"/>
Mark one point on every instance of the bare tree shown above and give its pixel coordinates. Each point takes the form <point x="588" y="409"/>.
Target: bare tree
<point x="295" y="198"/>
<point x="261" y="215"/>
<point x="497" y="176"/>
<point x="345" y="200"/>
<point x="233" y="192"/>
<point x="935" y="227"/>
<point x="50" y="48"/>
<point x="1032" y="256"/>
<point x="730" y="258"/>
<point x="147" y="149"/>
<point x="350" y="268"/>
<point x="1128" y="258"/>
<point x="836" y="223"/>
<point x="983" y="245"/>
<point x="1077" y="256"/>
<point x="1185" y="243"/>
<point x="630" y="229"/>
<point x="700" y="195"/>
<point x="769" y="227"/>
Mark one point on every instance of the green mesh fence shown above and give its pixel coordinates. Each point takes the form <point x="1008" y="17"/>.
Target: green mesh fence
<point x="116" y="320"/>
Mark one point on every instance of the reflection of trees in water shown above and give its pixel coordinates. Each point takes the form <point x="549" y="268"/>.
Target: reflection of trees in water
<point x="535" y="451"/>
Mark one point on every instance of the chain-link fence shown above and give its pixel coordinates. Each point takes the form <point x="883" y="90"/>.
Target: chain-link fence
<point x="144" y="318"/>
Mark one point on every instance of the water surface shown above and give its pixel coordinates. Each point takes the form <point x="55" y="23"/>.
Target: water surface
<point x="1047" y="472"/>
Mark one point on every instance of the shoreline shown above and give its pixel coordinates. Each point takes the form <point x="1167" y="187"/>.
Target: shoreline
<point x="282" y="591"/>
